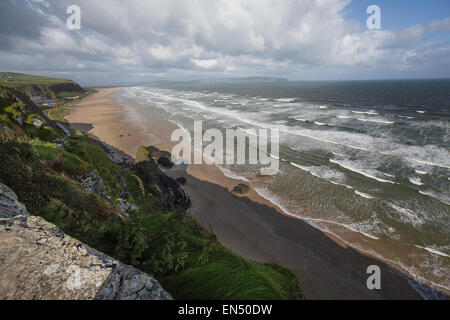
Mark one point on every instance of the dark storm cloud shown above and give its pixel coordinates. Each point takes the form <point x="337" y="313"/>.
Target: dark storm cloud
<point x="159" y="39"/>
<point x="18" y="20"/>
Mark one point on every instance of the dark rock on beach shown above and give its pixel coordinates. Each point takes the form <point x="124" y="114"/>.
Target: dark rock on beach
<point x="181" y="181"/>
<point x="241" y="189"/>
<point x="165" y="163"/>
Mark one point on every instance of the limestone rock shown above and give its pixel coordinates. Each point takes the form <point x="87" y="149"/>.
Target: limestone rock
<point x="9" y="205"/>
<point x="39" y="262"/>
<point x="38" y="123"/>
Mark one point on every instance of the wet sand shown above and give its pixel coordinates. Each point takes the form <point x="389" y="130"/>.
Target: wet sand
<point x="250" y="226"/>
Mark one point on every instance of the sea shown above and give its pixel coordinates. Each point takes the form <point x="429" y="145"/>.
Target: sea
<point x="366" y="161"/>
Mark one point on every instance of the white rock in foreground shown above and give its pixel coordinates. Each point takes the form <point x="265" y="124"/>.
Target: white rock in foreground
<point x="39" y="262"/>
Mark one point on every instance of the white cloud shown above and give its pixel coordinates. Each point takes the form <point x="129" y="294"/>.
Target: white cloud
<point x="197" y="38"/>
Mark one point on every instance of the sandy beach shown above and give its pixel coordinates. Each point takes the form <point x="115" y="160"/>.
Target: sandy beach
<point x="250" y="226"/>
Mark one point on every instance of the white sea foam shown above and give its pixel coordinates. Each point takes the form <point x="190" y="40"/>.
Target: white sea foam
<point x="266" y="194"/>
<point x="351" y="140"/>
<point x="231" y="174"/>
<point x="375" y="121"/>
<point x="434" y="251"/>
<point x="416" y="181"/>
<point x="286" y="100"/>
<point x="420" y="111"/>
<point x="440" y="197"/>
<point x="407" y="215"/>
<point x="364" y="195"/>
<point x="348" y="166"/>
<point x="342" y="185"/>
<point x="370" y="113"/>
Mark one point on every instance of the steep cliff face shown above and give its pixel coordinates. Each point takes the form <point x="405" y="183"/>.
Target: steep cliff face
<point x="40" y="88"/>
<point x="38" y="261"/>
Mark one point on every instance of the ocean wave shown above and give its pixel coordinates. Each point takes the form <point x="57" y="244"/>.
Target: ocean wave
<point x="347" y="139"/>
<point x="364" y="195"/>
<point x="370" y="113"/>
<point x="433" y="251"/>
<point x="266" y="194"/>
<point x="407" y="215"/>
<point x="375" y="121"/>
<point x="440" y="197"/>
<point x="231" y="174"/>
<point x="287" y="100"/>
<point x="416" y="181"/>
<point x="349" y="167"/>
<point x="324" y="173"/>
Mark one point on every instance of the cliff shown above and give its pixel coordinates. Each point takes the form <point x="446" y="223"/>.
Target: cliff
<point x="39" y="262"/>
<point x="39" y="88"/>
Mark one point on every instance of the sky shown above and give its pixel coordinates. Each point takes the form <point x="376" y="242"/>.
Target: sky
<point x="138" y="41"/>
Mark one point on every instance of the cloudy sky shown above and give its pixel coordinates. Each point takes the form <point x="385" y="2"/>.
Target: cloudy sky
<point x="124" y="42"/>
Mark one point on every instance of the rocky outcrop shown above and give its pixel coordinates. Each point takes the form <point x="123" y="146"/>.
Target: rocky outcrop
<point x="181" y="181"/>
<point x="39" y="262"/>
<point x="63" y="129"/>
<point x="172" y="197"/>
<point x="163" y="158"/>
<point x="9" y="205"/>
<point x="92" y="182"/>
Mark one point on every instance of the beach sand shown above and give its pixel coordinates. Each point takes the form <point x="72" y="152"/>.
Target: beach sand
<point x="250" y="226"/>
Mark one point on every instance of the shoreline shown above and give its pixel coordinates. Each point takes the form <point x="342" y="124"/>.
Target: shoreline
<point x="249" y="225"/>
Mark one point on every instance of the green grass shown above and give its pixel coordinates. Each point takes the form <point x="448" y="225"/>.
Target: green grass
<point x="7" y="78"/>
<point x="219" y="274"/>
<point x="58" y="113"/>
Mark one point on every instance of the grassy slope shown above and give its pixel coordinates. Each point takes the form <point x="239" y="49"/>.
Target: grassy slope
<point x="10" y="77"/>
<point x="181" y="254"/>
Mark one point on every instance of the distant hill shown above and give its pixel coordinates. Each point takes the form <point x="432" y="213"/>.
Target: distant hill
<point x="40" y="88"/>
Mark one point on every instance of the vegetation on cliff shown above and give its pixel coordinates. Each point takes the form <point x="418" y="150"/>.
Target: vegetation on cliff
<point x="37" y="86"/>
<point x="44" y="167"/>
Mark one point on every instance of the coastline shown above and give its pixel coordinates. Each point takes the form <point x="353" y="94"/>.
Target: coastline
<point x="251" y="226"/>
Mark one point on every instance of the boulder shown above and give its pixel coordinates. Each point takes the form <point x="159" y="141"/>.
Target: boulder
<point x="241" y="189"/>
<point x="9" y="204"/>
<point x="60" y="143"/>
<point x="165" y="162"/>
<point x="92" y="182"/>
<point x="181" y="181"/>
